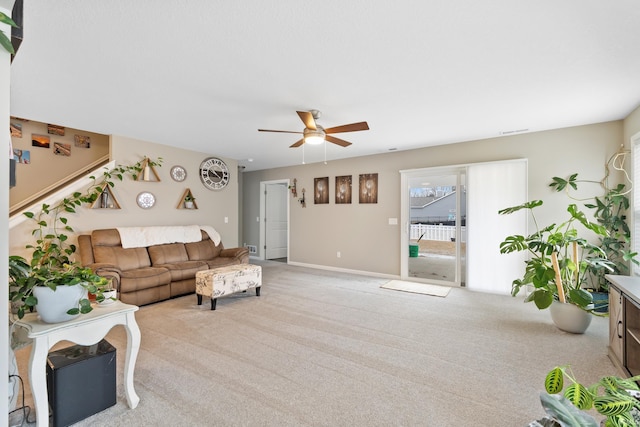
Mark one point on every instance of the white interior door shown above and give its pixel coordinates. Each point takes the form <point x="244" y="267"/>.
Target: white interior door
<point x="276" y="222"/>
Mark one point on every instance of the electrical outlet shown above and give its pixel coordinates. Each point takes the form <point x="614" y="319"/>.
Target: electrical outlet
<point x="338" y="254"/>
<point x="226" y="219"/>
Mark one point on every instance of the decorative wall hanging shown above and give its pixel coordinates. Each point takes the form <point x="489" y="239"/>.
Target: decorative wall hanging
<point x="302" y="201"/>
<point x="321" y="190"/>
<point x="178" y="173"/>
<point x="16" y="130"/>
<point x="22" y="156"/>
<point x="61" y="149"/>
<point x="55" y="130"/>
<point x="292" y="187"/>
<point x="369" y="188"/>
<point x="343" y="189"/>
<point x="40" y="141"/>
<point x="82" y="141"/>
<point x="146" y="200"/>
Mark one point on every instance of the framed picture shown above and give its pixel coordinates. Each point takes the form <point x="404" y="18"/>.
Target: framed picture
<point x="22" y="156"/>
<point x="321" y="190"/>
<point x="55" y="130"/>
<point x="82" y="141"/>
<point x="61" y="149"/>
<point x="343" y="189"/>
<point x="16" y="130"/>
<point x="40" y="141"/>
<point x="369" y="188"/>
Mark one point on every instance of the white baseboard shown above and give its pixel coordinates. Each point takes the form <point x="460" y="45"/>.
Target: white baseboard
<point x="345" y="270"/>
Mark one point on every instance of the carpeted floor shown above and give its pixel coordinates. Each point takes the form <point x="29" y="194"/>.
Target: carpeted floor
<point x="321" y="348"/>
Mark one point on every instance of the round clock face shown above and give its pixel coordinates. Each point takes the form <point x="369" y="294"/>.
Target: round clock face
<point x="146" y="200"/>
<point x="178" y="173"/>
<point x="214" y="173"/>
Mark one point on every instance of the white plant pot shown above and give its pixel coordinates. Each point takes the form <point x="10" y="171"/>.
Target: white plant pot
<point x="109" y="297"/>
<point x="570" y="317"/>
<point x="52" y="305"/>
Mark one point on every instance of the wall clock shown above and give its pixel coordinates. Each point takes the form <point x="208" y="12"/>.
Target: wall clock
<point x="214" y="173"/>
<point x="146" y="200"/>
<point x="178" y="173"/>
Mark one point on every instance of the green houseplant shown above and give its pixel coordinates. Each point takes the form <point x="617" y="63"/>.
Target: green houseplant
<point x="609" y="210"/>
<point x="613" y="397"/>
<point x="51" y="265"/>
<point x="559" y="258"/>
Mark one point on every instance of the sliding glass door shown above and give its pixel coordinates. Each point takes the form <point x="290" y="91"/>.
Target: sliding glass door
<point x="451" y="230"/>
<point x="437" y="226"/>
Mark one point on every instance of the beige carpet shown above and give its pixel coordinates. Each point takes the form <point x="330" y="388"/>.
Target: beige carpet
<point x="321" y="348"/>
<point x="417" y="288"/>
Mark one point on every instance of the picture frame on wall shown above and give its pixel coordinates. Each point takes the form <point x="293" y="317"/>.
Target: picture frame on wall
<point x="321" y="190"/>
<point x="16" y="130"/>
<point x="61" y="149"/>
<point x="82" y="141"/>
<point x="368" y="192"/>
<point x="343" y="189"/>
<point x="55" y="130"/>
<point x="42" y="141"/>
<point x="22" y="156"/>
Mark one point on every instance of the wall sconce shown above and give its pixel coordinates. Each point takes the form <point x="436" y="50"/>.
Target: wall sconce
<point x="294" y="191"/>
<point x="302" y="201"/>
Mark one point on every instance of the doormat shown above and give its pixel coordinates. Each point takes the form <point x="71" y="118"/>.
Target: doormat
<point x="417" y="288"/>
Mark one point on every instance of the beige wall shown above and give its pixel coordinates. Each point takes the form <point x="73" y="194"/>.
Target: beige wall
<point x="213" y="206"/>
<point x="631" y="125"/>
<point x="46" y="167"/>
<point x="362" y="232"/>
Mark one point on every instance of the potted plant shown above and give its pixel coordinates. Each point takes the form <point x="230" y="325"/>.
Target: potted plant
<point x="611" y="396"/>
<point x="58" y="294"/>
<point x="558" y="262"/>
<point x="188" y="201"/>
<point x="52" y="273"/>
<point x="609" y="210"/>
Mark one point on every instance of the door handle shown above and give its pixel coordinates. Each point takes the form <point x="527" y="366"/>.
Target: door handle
<point x="618" y="328"/>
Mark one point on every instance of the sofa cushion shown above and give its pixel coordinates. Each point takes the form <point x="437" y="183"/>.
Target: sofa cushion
<point x="143" y="278"/>
<point x="184" y="270"/>
<point x="107" y="249"/>
<point x="203" y="250"/>
<point x="167" y="254"/>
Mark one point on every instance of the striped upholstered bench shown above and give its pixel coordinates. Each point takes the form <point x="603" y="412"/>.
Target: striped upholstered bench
<point x="218" y="282"/>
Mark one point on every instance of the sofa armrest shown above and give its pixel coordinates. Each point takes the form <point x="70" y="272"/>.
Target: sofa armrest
<point x="108" y="271"/>
<point x="241" y="254"/>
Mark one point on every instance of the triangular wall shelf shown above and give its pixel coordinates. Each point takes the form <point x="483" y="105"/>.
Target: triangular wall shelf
<point x="182" y="203"/>
<point x="106" y="199"/>
<point x="147" y="172"/>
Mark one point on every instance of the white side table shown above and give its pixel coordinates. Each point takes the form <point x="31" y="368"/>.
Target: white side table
<point x="87" y="329"/>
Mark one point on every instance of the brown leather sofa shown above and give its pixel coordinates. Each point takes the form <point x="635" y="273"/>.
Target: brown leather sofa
<point x="150" y="274"/>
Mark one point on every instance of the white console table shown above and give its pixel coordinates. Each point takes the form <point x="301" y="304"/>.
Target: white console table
<point x="87" y="329"/>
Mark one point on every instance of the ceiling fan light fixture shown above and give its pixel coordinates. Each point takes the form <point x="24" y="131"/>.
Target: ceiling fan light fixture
<point x="314" y="137"/>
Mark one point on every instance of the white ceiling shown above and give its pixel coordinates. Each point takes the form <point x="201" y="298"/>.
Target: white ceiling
<point x="206" y="74"/>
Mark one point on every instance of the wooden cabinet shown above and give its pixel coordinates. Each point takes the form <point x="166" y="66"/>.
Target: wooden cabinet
<point x="616" y="339"/>
<point x="624" y="323"/>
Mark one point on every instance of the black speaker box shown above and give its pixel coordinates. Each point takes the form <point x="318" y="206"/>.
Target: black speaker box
<point x="81" y="381"/>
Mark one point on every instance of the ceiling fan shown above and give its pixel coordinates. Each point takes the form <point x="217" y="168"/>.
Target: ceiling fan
<point x="313" y="133"/>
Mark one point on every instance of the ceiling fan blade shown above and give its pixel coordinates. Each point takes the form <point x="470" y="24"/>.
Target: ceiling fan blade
<point x="280" y="131"/>
<point x="297" y="144"/>
<point x="307" y="119"/>
<point x="340" y="142"/>
<point x="348" y="128"/>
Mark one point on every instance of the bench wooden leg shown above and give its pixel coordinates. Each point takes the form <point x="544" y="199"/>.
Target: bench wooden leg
<point x="213" y="303"/>
<point x="258" y="291"/>
<point x="199" y="299"/>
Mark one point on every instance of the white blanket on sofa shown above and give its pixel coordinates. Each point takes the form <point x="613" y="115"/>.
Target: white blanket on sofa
<point x="136" y="237"/>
